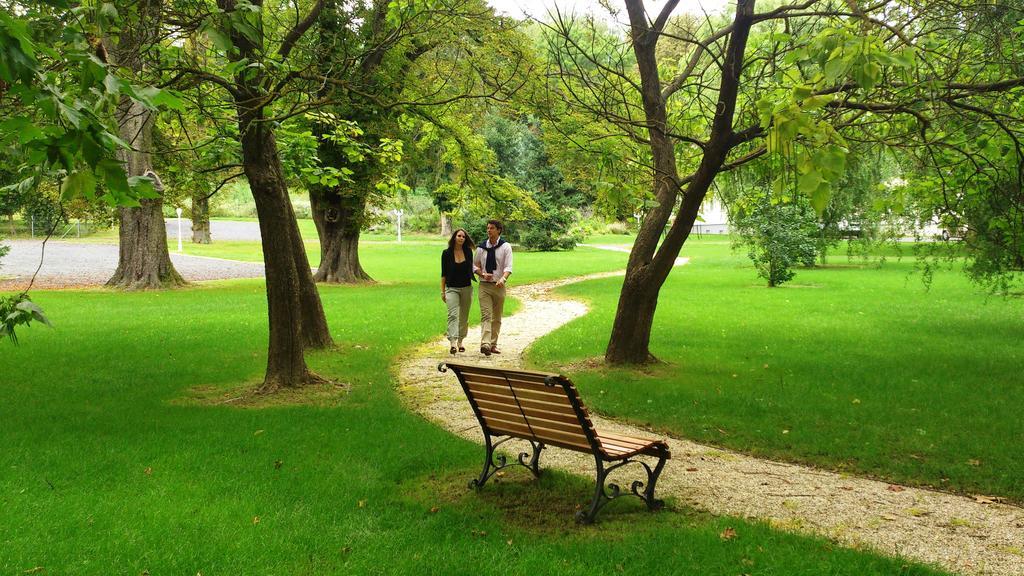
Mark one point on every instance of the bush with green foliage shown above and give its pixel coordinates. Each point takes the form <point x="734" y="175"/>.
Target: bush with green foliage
<point x="523" y="158"/>
<point x="552" y="232"/>
<point x="43" y="212"/>
<point x="421" y="214"/>
<point x="18" y="310"/>
<point x="778" y="236"/>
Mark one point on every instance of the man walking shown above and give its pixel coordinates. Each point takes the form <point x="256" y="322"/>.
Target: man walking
<point x="492" y="262"/>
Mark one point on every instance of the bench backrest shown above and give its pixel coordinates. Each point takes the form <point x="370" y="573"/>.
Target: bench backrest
<point x="532" y="405"/>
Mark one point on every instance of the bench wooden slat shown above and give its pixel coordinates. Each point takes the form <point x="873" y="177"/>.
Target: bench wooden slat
<point x="551" y="399"/>
<point x="502" y="373"/>
<point x="542" y="402"/>
<point x="556" y="439"/>
<point x="635" y="439"/>
<point x="536" y="423"/>
<point x="546" y="407"/>
<point x="518" y="385"/>
<point x="530" y="412"/>
<point x="546" y="394"/>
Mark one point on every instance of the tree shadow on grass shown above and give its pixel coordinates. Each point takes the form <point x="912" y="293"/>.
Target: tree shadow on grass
<point x="543" y="506"/>
<point x="325" y="393"/>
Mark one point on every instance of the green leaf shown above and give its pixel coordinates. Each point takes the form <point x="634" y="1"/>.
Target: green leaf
<point x="815" y="102"/>
<point x="35" y="311"/>
<point x="143" y="187"/>
<point x="905" y="58"/>
<point x="820" y="197"/>
<point x="835" y="69"/>
<point x="219" y="39"/>
<point x="112" y="84"/>
<point x="112" y="172"/>
<point x="809" y="183"/>
<point x="161" y="98"/>
<point x="79" y="184"/>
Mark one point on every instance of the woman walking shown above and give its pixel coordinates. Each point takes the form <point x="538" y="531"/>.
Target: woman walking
<point x="456" y="286"/>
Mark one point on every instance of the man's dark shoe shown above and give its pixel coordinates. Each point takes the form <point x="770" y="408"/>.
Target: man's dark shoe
<point x="494" y="349"/>
<point x="485" y="350"/>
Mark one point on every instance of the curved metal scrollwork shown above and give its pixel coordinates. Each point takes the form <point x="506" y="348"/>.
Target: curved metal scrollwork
<point x="605" y="493"/>
<point x="494" y="462"/>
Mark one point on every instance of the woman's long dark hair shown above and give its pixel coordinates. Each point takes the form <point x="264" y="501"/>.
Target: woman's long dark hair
<point x="468" y="246"/>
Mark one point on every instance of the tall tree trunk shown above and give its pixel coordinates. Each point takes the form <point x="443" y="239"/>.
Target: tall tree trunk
<point x="285" y="273"/>
<point x="338" y="218"/>
<point x="446" y="225"/>
<point x="200" y="219"/>
<point x="315" y="332"/>
<point x="295" y="313"/>
<point x="143" y="259"/>
<point x="649" y="264"/>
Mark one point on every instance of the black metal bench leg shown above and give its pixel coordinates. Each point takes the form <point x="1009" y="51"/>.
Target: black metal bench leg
<point x="587" y="516"/>
<point x="534" y="464"/>
<point x="652" y="481"/>
<point x="488" y="464"/>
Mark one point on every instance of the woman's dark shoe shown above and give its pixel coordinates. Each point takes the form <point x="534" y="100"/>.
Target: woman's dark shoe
<point x="485" y="349"/>
<point x="452" y="350"/>
<point x="462" y="349"/>
<point x="494" y="349"/>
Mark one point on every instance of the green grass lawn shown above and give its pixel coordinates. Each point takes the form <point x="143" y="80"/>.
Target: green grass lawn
<point x="104" y="470"/>
<point x="421" y="261"/>
<point x="851" y="367"/>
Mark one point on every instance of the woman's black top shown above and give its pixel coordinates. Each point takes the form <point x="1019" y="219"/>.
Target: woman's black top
<point x="457" y="274"/>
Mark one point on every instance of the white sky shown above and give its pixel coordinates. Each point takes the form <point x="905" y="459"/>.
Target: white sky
<point x="539" y="8"/>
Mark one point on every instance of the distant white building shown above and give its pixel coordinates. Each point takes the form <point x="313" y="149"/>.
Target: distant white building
<point x="712" y="219"/>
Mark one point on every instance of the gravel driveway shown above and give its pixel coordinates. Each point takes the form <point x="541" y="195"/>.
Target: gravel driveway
<point x="219" y="230"/>
<point x="73" y="264"/>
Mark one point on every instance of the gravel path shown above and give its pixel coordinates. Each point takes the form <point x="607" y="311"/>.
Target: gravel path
<point x="68" y="264"/>
<point x="219" y="230"/>
<point x="966" y="535"/>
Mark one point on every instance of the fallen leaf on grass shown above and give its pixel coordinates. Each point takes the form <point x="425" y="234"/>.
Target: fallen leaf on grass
<point x="434" y="510"/>
<point x="728" y="534"/>
<point x="255" y="520"/>
<point x="974" y="462"/>
<point x="895" y="488"/>
<point x="35" y="570"/>
<point x="278" y="464"/>
<point x="148" y="471"/>
<point x="361" y="503"/>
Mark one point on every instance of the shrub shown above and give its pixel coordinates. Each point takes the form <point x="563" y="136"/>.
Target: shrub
<point x="778" y="236"/>
<point x="43" y="213"/>
<point x="621" y="228"/>
<point x="550" y="232"/>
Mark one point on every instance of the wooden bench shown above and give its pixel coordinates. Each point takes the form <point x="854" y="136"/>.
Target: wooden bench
<point x="545" y="410"/>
